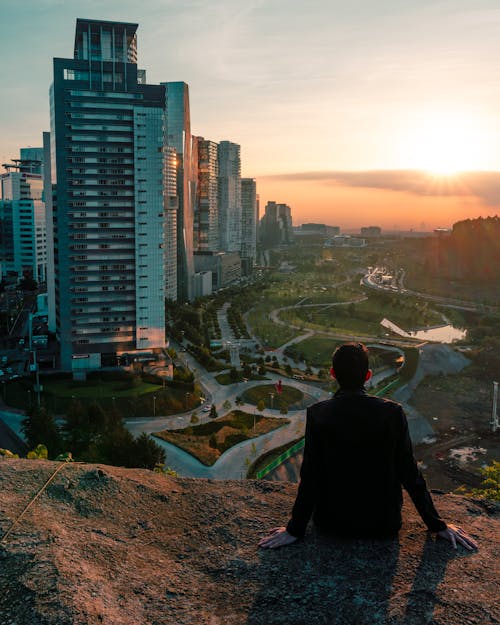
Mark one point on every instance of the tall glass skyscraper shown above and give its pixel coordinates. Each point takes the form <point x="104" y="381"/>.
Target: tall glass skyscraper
<point x="179" y="138"/>
<point x="229" y="196"/>
<point x="248" y="223"/>
<point x="23" y="251"/>
<point x="109" y="208"/>
<point x="206" y="214"/>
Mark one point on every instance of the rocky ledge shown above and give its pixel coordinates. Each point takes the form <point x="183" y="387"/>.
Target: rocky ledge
<point x="131" y="547"/>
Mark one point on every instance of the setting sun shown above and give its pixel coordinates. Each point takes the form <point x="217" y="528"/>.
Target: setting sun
<point x="447" y="144"/>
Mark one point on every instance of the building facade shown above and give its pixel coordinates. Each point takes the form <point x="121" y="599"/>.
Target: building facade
<point x="249" y="219"/>
<point x="276" y="227"/>
<point x="23" y="247"/>
<point x="108" y="166"/>
<point x="229" y="194"/>
<point x="206" y="214"/>
<point x="178" y="128"/>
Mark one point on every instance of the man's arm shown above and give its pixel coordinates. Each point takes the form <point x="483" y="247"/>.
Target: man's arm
<point x="304" y="502"/>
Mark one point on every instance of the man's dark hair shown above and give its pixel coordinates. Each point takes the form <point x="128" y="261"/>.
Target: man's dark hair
<point x="350" y="364"/>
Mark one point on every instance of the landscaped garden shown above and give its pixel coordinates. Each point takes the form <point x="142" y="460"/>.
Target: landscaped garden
<point x="363" y="318"/>
<point x="208" y="441"/>
<point x="290" y="396"/>
<point x="131" y="395"/>
<point x="317" y="351"/>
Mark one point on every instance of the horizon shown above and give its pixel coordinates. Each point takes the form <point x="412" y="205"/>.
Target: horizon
<point x="421" y="154"/>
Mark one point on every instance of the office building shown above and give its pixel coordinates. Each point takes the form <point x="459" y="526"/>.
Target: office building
<point x="276" y="226"/>
<point x="248" y="224"/>
<point x="206" y="214"/>
<point x="178" y="127"/>
<point x="109" y="164"/>
<point x="229" y="192"/>
<point x="23" y="248"/>
<point x="225" y="267"/>
<point x="371" y="231"/>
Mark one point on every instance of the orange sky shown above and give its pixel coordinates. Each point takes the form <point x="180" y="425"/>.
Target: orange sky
<point x="355" y="206"/>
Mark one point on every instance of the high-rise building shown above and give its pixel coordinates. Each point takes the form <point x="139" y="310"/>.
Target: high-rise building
<point x="206" y="214"/>
<point x="23" y="249"/>
<point x="229" y="191"/>
<point x="109" y="163"/>
<point x="248" y="223"/>
<point x="276" y="226"/>
<point x="179" y="137"/>
<point x="171" y="207"/>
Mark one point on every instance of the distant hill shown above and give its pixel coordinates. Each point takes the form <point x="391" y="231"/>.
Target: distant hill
<point x="471" y="252"/>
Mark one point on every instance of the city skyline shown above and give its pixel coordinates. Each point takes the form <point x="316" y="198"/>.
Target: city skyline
<point x="328" y="103"/>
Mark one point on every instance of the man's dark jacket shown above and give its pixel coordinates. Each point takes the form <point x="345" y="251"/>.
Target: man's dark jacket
<point x="357" y="455"/>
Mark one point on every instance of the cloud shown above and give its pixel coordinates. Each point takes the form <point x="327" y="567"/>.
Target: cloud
<point x="484" y="185"/>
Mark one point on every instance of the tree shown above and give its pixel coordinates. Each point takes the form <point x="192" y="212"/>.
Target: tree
<point x="194" y="418"/>
<point x="227" y="405"/>
<point x="490" y="486"/>
<point x="75" y="428"/>
<point x="213" y="412"/>
<point x="233" y="374"/>
<point x="238" y="401"/>
<point x="283" y="408"/>
<point x="147" y="453"/>
<point x="39" y="428"/>
<point x="39" y="453"/>
<point x="212" y="441"/>
<point x="288" y="369"/>
<point x="261" y="405"/>
<point x="28" y="284"/>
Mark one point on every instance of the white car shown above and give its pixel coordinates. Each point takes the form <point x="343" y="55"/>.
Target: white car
<point x="206" y="408"/>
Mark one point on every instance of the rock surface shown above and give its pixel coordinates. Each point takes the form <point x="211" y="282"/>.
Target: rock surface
<point x="131" y="547"/>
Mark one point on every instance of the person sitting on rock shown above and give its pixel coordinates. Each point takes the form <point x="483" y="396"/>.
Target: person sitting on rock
<point x="357" y="454"/>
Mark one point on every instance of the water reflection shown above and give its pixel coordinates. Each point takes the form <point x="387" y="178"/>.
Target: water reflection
<point x="441" y="334"/>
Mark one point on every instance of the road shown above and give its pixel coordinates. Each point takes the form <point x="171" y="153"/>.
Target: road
<point x="448" y="302"/>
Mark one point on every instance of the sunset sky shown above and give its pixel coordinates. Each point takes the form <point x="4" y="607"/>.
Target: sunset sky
<point x="338" y="106"/>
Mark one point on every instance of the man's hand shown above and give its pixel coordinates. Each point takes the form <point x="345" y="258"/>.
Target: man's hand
<point x="455" y="535"/>
<point x="278" y="537"/>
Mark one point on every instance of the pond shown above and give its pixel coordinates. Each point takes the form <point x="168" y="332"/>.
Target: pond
<point x="439" y="334"/>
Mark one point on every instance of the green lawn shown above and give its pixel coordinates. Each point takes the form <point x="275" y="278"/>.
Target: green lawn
<point x="269" y="333"/>
<point x="143" y="400"/>
<point x="364" y="318"/>
<point x="317" y="352"/>
<point x="289" y="396"/>
<point x="96" y="389"/>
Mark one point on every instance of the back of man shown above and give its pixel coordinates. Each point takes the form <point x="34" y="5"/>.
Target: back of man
<point x="357" y="455"/>
<point x="355" y="464"/>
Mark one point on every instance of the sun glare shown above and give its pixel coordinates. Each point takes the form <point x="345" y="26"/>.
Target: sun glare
<point x="448" y="144"/>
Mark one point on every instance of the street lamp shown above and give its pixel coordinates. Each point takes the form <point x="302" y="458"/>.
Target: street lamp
<point x="271" y="395"/>
<point x="154" y="405"/>
<point x="29" y="397"/>
<point x="187" y="397"/>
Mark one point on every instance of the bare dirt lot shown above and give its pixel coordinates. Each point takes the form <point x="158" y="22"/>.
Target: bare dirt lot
<point x="110" y="546"/>
<point x="459" y="409"/>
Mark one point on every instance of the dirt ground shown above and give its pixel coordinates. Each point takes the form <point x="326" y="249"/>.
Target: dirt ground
<point x="459" y="409"/>
<point x="110" y="546"/>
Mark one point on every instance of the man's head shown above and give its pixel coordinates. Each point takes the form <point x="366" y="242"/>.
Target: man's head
<point x="350" y="366"/>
